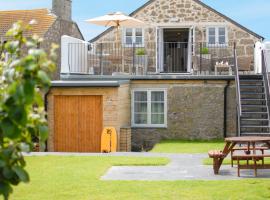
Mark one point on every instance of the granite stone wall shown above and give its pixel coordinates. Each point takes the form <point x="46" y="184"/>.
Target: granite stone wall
<point x="187" y="13"/>
<point x="195" y="111"/>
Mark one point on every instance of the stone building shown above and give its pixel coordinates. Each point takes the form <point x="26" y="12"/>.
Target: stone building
<point x="175" y="31"/>
<point x="179" y="94"/>
<point x="49" y="24"/>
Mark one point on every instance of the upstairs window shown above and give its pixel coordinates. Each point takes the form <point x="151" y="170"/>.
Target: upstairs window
<point x="133" y="36"/>
<point x="216" y="35"/>
<point x="149" y="108"/>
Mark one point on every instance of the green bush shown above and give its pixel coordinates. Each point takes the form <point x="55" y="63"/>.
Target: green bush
<point x="140" y="52"/>
<point x="23" y="81"/>
<point x="204" y="50"/>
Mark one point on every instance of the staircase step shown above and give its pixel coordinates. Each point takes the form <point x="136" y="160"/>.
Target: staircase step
<point x="243" y="119"/>
<point x="251" y="80"/>
<point x="252" y="93"/>
<point x="253" y="102"/>
<point x="246" y="99"/>
<point x="254" y="126"/>
<point x="250" y="77"/>
<point x="251" y="86"/>
<point x="253" y="106"/>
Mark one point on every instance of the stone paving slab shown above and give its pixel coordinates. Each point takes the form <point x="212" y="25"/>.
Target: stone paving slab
<point x="181" y="167"/>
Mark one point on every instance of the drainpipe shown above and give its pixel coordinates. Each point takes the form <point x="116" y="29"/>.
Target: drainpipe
<point x="225" y="109"/>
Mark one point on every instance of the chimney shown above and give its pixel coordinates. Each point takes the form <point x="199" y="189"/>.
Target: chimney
<point x="62" y="9"/>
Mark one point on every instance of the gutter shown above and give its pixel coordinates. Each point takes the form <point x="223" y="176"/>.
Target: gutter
<point x="225" y="109"/>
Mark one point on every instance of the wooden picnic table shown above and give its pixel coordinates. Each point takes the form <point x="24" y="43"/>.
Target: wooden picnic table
<point x="251" y="142"/>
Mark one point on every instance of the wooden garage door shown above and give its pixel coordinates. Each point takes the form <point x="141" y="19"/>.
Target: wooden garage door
<point x="77" y="123"/>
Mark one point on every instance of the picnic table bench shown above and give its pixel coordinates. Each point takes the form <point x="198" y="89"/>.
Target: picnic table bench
<point x="245" y="149"/>
<point x="254" y="166"/>
<point x="249" y="153"/>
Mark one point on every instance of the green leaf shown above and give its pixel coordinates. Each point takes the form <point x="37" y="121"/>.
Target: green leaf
<point x="9" y="129"/>
<point x="18" y="114"/>
<point x="2" y="163"/>
<point x="43" y="133"/>
<point x="44" y="77"/>
<point x="29" y="90"/>
<point x="5" y="189"/>
<point x="8" y="173"/>
<point x="21" y="173"/>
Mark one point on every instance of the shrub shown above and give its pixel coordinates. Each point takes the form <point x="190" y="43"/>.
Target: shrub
<point x="204" y="50"/>
<point x="23" y="79"/>
<point x="140" y="52"/>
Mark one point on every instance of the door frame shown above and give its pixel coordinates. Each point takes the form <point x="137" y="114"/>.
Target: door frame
<point x="160" y="46"/>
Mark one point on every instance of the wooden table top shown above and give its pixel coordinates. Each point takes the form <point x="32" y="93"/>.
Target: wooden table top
<point x="248" y="139"/>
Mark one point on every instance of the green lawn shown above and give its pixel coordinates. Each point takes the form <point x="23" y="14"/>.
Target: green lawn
<point x="182" y="146"/>
<point x="77" y="178"/>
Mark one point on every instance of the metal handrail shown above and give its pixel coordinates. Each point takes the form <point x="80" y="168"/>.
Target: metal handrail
<point x="237" y="83"/>
<point x="266" y="81"/>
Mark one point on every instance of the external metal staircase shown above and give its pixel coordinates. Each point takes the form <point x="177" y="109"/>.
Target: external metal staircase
<point x="252" y="93"/>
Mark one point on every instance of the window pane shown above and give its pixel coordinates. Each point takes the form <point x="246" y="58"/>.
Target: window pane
<point x="140" y="118"/>
<point x="212" y="39"/>
<point x="221" y="31"/>
<point x="140" y="107"/>
<point x="222" y="40"/>
<point x="211" y="31"/>
<point x="157" y="108"/>
<point x="129" y="32"/>
<point x="139" y="32"/>
<point x="157" y="96"/>
<point x="157" y="119"/>
<point x="128" y="40"/>
<point x="140" y="96"/>
<point x="138" y="40"/>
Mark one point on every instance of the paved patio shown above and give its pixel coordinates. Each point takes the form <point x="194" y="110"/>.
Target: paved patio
<point x="181" y="167"/>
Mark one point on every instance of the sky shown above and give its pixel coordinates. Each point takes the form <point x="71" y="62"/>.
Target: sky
<point x="253" y="14"/>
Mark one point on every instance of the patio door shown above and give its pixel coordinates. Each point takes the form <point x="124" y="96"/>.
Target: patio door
<point x="174" y="50"/>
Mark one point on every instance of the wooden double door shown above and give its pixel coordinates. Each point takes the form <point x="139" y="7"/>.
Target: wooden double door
<point x="78" y="123"/>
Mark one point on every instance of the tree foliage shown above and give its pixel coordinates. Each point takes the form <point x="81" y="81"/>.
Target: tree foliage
<point x="24" y="78"/>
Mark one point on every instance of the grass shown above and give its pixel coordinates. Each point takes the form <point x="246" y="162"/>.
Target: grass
<point x="77" y="178"/>
<point x="70" y="178"/>
<point x="182" y="146"/>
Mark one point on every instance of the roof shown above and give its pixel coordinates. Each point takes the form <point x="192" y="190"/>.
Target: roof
<point x="87" y="83"/>
<point x="43" y="17"/>
<point x="123" y="79"/>
<point x="197" y="1"/>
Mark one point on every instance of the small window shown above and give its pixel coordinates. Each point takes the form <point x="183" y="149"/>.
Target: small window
<point x="129" y="33"/>
<point x="212" y="36"/>
<point x="216" y="35"/>
<point x="133" y="36"/>
<point x="222" y="35"/>
<point x="149" y="108"/>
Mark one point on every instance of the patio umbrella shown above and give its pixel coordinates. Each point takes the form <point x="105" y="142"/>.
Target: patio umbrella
<point x="116" y="19"/>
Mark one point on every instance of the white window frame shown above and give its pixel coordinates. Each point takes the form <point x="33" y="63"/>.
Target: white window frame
<point x="133" y="37"/>
<point x="149" y="125"/>
<point x="217" y="35"/>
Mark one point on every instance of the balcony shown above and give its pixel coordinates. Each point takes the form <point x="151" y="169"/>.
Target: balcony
<point x="113" y="59"/>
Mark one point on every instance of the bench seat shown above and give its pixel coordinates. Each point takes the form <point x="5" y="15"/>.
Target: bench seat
<point x="262" y="149"/>
<point x="217" y="155"/>
<point x="255" y="158"/>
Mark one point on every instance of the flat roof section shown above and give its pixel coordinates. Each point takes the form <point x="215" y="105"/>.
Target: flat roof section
<point x="85" y="83"/>
<point x="148" y="77"/>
